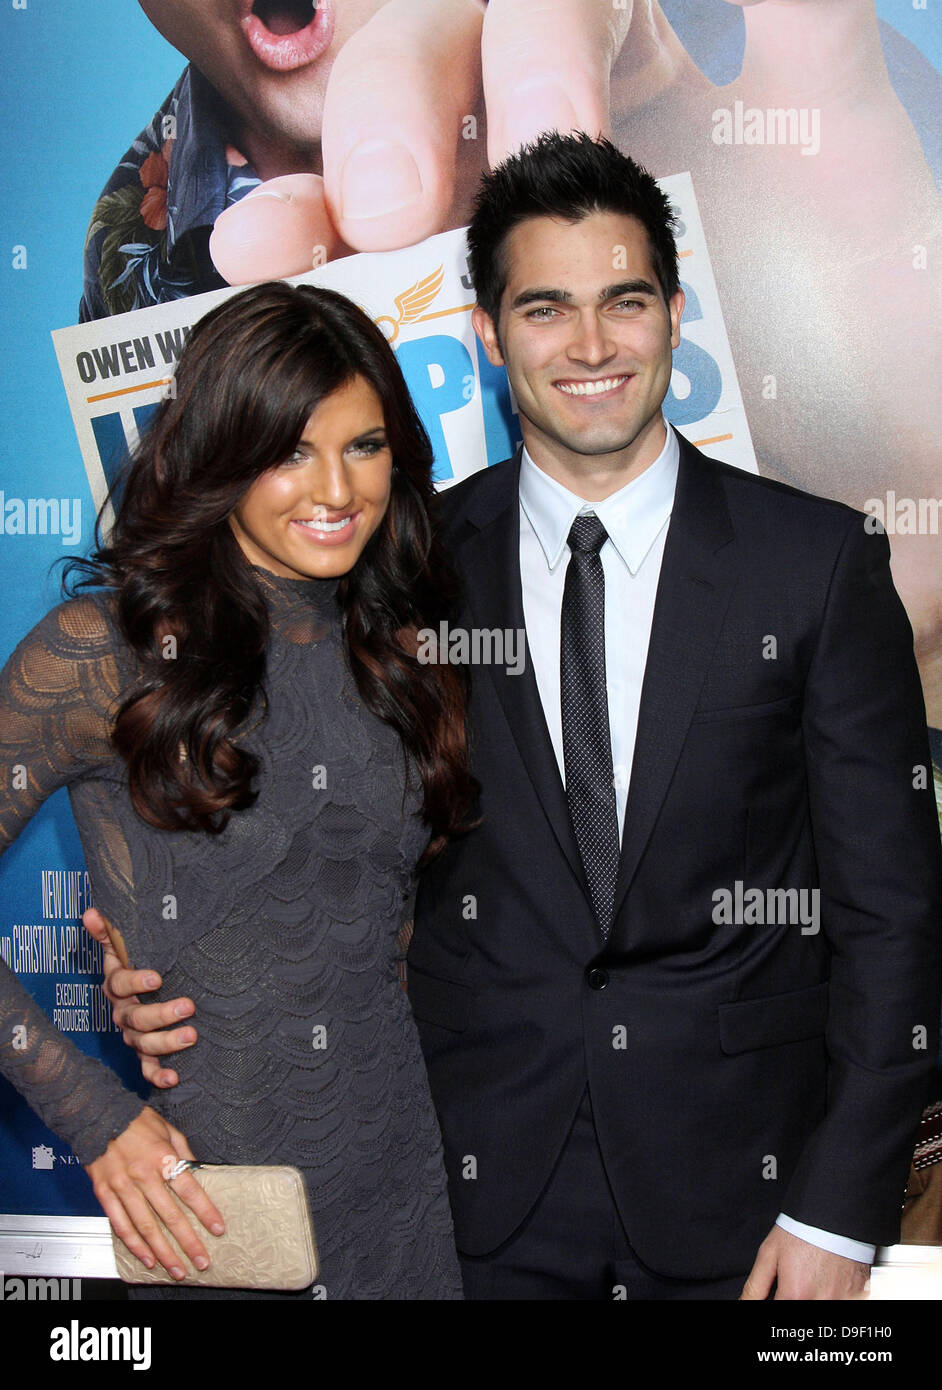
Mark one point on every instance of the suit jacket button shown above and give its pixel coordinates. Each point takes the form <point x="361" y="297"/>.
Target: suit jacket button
<point x="596" y="978"/>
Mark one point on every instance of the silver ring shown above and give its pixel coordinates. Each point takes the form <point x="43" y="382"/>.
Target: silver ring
<point x="181" y="1166"/>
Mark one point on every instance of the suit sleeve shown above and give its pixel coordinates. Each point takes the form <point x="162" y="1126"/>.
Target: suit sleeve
<point x="876" y="842"/>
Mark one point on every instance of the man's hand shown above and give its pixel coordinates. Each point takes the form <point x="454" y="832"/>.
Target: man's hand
<point x="802" y="1271"/>
<point x="137" y="1021"/>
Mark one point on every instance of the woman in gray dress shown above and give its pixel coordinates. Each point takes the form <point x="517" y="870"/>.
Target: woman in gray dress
<point x="257" y="761"/>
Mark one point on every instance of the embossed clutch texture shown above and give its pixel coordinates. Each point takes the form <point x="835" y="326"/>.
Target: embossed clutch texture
<point x="268" y="1241"/>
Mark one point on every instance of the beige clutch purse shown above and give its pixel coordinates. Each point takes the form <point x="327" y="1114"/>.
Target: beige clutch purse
<point x="269" y="1239"/>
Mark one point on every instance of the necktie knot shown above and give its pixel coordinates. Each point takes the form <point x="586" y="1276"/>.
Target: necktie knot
<point x="587" y="534"/>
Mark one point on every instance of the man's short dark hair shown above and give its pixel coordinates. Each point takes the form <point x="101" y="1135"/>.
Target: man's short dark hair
<point x="570" y="177"/>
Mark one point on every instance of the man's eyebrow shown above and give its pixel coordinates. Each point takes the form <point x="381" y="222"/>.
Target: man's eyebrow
<point x="628" y="287"/>
<point x="543" y="295"/>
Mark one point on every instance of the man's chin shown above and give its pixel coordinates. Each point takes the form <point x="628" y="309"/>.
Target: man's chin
<point x="601" y="446"/>
<point x="289" y="119"/>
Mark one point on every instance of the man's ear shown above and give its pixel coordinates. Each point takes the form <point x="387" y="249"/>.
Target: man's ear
<point x="484" y="327"/>
<point x="676" y="307"/>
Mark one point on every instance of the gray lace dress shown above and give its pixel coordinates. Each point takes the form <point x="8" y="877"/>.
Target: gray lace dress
<point x="283" y="930"/>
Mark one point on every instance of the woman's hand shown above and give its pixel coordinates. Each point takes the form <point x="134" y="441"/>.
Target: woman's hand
<point x="130" y="1182"/>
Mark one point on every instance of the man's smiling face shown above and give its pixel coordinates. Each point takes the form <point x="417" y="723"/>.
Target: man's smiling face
<point x="587" y="340"/>
<point x="268" y="59"/>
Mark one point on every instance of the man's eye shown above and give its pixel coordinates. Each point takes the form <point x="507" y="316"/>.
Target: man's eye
<point x="542" y="311"/>
<point x="630" y="304"/>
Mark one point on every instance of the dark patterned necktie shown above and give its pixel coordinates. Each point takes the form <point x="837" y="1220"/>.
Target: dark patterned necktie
<point x="587" y="743"/>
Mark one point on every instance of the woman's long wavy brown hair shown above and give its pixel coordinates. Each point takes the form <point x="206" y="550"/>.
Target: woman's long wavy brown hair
<point x="252" y="373"/>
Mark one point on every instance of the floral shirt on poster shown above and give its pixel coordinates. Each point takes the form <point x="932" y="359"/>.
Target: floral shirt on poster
<point x="148" y="239"/>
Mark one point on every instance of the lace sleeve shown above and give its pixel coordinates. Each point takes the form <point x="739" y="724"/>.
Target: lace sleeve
<point x="58" y="694"/>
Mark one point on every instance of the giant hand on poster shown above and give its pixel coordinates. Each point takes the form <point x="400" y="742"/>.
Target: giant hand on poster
<point x="362" y="127"/>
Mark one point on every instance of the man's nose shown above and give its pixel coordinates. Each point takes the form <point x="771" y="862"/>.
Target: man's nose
<point x="591" y="342"/>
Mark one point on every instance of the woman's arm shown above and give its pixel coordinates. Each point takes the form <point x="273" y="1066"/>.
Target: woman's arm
<point x="58" y="693"/>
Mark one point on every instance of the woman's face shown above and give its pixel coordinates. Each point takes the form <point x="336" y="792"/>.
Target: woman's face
<point x="311" y="516"/>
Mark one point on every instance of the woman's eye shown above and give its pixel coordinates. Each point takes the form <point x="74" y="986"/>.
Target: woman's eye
<point x="368" y="448"/>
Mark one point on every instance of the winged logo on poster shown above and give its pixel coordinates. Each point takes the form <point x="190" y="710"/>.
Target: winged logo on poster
<point x="411" y="303"/>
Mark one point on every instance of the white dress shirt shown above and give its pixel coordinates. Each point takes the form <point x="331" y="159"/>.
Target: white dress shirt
<point x="636" y="519"/>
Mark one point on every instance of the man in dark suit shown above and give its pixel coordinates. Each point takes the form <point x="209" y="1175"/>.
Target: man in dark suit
<point x="678" y="990"/>
<point x="634" y="1078"/>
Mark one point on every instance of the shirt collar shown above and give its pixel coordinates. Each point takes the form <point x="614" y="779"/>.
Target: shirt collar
<point x="633" y="516"/>
<point x="199" y="175"/>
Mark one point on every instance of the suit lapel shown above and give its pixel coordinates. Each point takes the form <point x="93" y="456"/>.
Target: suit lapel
<point x="696" y="581"/>
<point x="490" y="562"/>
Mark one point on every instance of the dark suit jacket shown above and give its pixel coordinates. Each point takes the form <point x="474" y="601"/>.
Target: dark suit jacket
<point x="735" y="1071"/>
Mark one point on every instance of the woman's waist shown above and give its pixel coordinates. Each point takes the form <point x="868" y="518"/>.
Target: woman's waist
<point x="309" y="1044"/>
<point x="257" y="1108"/>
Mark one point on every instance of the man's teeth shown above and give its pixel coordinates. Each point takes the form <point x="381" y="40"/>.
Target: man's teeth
<point x="590" y="388"/>
<point x="326" y="525"/>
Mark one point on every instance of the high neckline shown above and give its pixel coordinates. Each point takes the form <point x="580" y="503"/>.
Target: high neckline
<point x="319" y="593"/>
